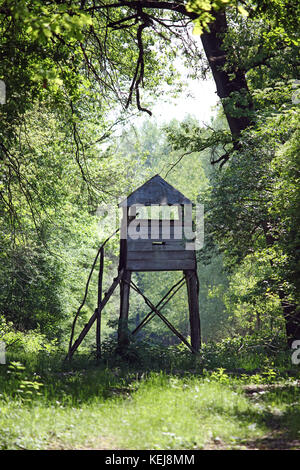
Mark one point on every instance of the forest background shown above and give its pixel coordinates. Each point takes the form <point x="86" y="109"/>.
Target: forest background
<point x="80" y="78"/>
<point x="82" y="87"/>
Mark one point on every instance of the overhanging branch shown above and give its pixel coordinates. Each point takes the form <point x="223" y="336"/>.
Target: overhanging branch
<point x="177" y="7"/>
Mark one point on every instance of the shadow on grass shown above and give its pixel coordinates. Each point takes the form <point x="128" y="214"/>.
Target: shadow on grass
<point x="85" y="380"/>
<point x="282" y="416"/>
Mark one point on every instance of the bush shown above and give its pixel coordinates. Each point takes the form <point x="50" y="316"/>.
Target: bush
<point x="32" y="341"/>
<point x="248" y="352"/>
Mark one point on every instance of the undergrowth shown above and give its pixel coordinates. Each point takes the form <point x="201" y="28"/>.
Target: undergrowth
<point x="231" y="395"/>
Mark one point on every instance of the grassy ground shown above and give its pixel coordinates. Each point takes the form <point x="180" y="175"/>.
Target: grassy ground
<point x="116" y="404"/>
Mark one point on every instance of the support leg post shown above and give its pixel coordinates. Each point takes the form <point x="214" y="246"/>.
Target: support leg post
<point x="98" y="324"/>
<point x="123" y="333"/>
<point x="193" y="296"/>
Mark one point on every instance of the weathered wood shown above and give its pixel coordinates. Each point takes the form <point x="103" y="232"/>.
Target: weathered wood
<point x="151" y="245"/>
<point x="95" y="314"/>
<point x="123" y="333"/>
<point x="193" y="297"/>
<point x="157" y="265"/>
<point x="155" y="245"/>
<point x="86" y="291"/>
<point x="159" y="255"/>
<point x="168" y="297"/>
<point x="164" y="232"/>
<point x="155" y="191"/>
<point x="98" y="324"/>
<point x="164" y="319"/>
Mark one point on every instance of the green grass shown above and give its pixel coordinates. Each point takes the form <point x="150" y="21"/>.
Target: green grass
<point x="46" y="404"/>
<point x="157" y="412"/>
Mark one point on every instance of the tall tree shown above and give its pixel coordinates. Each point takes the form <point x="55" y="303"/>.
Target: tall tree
<point x="213" y="20"/>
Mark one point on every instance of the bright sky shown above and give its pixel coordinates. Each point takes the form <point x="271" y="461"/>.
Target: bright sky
<point x="198" y="100"/>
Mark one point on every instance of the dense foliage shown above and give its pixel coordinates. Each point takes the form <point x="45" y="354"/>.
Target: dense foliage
<point x="79" y="80"/>
<point x="73" y="71"/>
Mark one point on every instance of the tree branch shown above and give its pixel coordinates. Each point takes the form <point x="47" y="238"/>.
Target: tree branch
<point x="177" y="7"/>
<point x="139" y="71"/>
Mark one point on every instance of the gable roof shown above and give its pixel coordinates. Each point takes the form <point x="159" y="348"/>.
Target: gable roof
<point x="155" y="191"/>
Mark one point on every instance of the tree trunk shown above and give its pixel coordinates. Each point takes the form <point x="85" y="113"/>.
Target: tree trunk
<point x="291" y="317"/>
<point x="229" y="81"/>
<point x="290" y="309"/>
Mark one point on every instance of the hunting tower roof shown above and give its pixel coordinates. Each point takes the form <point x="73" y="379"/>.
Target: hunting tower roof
<point x="155" y="191"/>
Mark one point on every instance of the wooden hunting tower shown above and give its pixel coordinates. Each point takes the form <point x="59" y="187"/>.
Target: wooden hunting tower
<point x="157" y="235"/>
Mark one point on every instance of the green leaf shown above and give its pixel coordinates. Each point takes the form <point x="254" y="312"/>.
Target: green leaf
<point x="243" y="11"/>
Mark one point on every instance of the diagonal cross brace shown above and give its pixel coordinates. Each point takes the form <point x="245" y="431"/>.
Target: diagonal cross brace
<point x="152" y="313"/>
<point x="91" y="321"/>
<point x="163" y="318"/>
